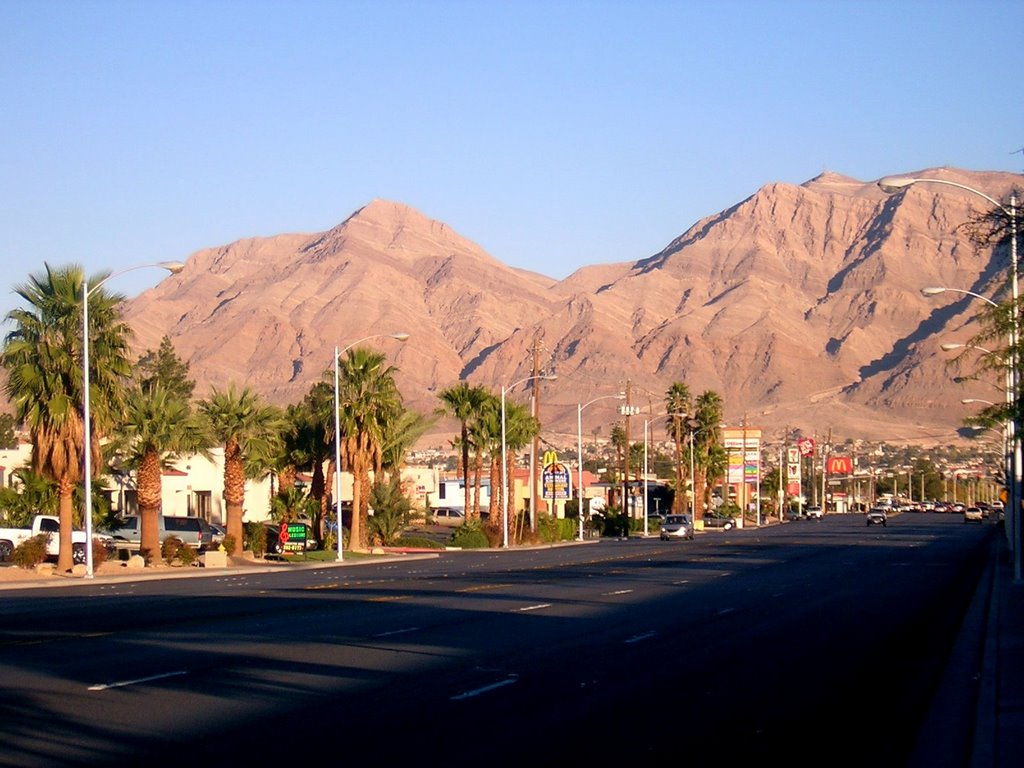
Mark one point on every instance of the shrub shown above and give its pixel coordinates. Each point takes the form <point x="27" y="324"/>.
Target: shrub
<point x="99" y="552"/>
<point x="229" y="542"/>
<point x="170" y="548"/>
<point x="254" y="538"/>
<point x="31" y="552"/>
<point x="187" y="555"/>
<point x="470" y="535"/>
<point x="552" y="529"/>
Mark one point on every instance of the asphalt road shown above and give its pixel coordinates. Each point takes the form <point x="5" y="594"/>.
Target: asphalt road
<point x="813" y="643"/>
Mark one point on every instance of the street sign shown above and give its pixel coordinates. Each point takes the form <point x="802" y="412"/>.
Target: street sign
<point x="556" y="482"/>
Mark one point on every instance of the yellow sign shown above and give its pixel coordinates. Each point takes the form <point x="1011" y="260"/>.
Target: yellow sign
<point x="550" y="457"/>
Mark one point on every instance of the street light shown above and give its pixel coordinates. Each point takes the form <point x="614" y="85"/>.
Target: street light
<point x="504" y="459"/>
<point x="935" y="290"/>
<point x="174" y="267"/>
<point x="579" y="450"/>
<point x="892" y="184"/>
<point x="337" y="429"/>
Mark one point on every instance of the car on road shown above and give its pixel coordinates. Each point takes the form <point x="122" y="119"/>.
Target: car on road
<point x="676" y="527"/>
<point x="877" y="516"/>
<point x="718" y="520"/>
<point x="973" y="515"/>
<point x="814" y="512"/>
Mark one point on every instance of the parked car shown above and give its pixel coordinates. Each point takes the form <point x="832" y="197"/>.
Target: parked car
<point x="676" y="527"/>
<point x="217" y="534"/>
<point x="449" y="516"/>
<point x="973" y="515"/>
<point x="877" y="516"/>
<point x="814" y="512"/>
<point x="193" y="531"/>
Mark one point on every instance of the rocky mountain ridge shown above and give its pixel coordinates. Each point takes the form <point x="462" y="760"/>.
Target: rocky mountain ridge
<point x="800" y="306"/>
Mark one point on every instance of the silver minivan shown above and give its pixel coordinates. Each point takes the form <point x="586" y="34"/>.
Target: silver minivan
<point x="193" y="531"/>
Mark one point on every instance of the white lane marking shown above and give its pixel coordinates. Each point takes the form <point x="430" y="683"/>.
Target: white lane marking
<point x="535" y="607"/>
<point x="642" y="636"/>
<point x="123" y="683"/>
<point x="485" y="689"/>
<point x="398" y="632"/>
<point x="618" y="592"/>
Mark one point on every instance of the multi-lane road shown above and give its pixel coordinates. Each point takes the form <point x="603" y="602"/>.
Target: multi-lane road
<point x="806" y="643"/>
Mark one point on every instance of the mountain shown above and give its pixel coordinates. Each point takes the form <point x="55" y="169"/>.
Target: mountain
<point x="800" y="306"/>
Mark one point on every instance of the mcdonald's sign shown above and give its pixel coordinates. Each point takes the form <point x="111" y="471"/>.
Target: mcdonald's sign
<point x="839" y="465"/>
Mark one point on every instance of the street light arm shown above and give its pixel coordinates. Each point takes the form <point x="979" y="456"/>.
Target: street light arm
<point x="935" y="290"/>
<point x="174" y="267"/>
<point x="395" y="336"/>
<point x="893" y="184"/>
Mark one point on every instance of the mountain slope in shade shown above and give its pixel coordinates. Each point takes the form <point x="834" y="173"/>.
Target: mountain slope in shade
<point x="800" y="305"/>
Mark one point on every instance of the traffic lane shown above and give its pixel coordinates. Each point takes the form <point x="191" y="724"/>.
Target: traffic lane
<point x="481" y="677"/>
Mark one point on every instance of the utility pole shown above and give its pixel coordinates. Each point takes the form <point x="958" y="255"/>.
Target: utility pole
<point x="627" y="411"/>
<point x="535" y="350"/>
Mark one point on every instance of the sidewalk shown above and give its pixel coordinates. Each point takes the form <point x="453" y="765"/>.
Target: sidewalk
<point x="999" y="740"/>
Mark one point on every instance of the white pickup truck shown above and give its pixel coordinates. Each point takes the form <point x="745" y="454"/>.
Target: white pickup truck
<point x="49" y="524"/>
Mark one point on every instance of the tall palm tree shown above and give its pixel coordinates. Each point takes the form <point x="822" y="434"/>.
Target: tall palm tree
<point x="43" y="356"/>
<point x="520" y="429"/>
<point x="308" y="444"/>
<point x="157" y="426"/>
<point x="250" y="432"/>
<point x="369" y="400"/>
<point x="677" y="407"/>
<point x="464" y="402"/>
<point x="710" y="457"/>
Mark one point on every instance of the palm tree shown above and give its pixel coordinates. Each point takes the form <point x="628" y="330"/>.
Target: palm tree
<point x="401" y="434"/>
<point x="464" y="402"/>
<point x="42" y="356"/>
<point x="710" y="457"/>
<point x="250" y="432"/>
<point x="157" y="427"/>
<point x="308" y="441"/>
<point x="370" y="401"/>
<point x="677" y="408"/>
<point x="520" y="429"/>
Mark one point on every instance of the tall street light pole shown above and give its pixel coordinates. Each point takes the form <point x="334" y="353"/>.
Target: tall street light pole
<point x="1008" y="424"/>
<point x="579" y="452"/>
<point x="337" y="428"/>
<point x="504" y="452"/>
<point x="174" y="267"/>
<point x="891" y="184"/>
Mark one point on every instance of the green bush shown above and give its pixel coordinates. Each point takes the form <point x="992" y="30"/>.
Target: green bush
<point x="187" y="555"/>
<point x="229" y="543"/>
<point x="170" y="548"/>
<point x="254" y="538"/>
<point x="470" y="535"/>
<point x="31" y="552"/>
<point x="552" y="529"/>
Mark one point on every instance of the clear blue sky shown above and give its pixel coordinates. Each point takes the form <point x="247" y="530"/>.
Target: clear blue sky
<point x="553" y="134"/>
